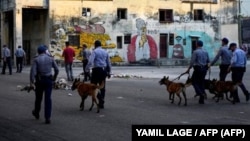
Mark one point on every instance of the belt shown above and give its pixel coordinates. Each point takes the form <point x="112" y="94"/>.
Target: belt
<point x="103" y="68"/>
<point x="50" y="76"/>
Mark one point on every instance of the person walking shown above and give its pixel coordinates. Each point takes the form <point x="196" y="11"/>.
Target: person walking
<point x="41" y="78"/>
<point x="225" y="54"/>
<point x="68" y="54"/>
<point x="20" y="57"/>
<point x="6" y="56"/>
<point x="85" y="53"/>
<point x="101" y="68"/>
<point x="238" y="68"/>
<point x="199" y="62"/>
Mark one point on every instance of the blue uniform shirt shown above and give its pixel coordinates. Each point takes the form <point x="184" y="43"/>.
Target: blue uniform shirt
<point x="6" y="52"/>
<point x="225" y="55"/>
<point x="199" y="58"/>
<point x="99" y="58"/>
<point x="20" y="52"/>
<point x="42" y="65"/>
<point x="239" y="58"/>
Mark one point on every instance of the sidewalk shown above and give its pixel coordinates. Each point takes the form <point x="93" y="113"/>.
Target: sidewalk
<point x="141" y="71"/>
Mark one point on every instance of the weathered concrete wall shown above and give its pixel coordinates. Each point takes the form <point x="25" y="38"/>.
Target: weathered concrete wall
<point x="142" y="24"/>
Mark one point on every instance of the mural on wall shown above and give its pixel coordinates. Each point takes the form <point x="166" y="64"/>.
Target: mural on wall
<point x="178" y="50"/>
<point x="88" y="32"/>
<point x="143" y="46"/>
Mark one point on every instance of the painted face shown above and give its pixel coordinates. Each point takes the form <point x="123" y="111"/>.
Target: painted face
<point x="178" y="51"/>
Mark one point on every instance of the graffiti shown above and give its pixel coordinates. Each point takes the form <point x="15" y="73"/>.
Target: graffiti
<point x="153" y="31"/>
<point x="143" y="46"/>
<point x="178" y="51"/>
<point x="88" y="32"/>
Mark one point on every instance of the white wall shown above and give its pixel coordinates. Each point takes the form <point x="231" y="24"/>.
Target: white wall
<point x="231" y="32"/>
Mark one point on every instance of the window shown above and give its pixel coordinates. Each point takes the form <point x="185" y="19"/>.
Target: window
<point x="74" y="40"/>
<point x="86" y="12"/>
<point x="119" y="42"/>
<point x="202" y="1"/>
<point x="171" y="39"/>
<point x="127" y="39"/>
<point x="122" y="13"/>
<point x="198" y="14"/>
<point x="165" y="15"/>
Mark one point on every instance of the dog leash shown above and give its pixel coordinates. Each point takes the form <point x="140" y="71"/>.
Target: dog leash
<point x="179" y="76"/>
<point x="209" y="73"/>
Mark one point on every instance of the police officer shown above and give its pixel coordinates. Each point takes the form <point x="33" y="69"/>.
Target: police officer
<point x="85" y="53"/>
<point x="238" y="68"/>
<point x="6" y="56"/>
<point x="20" y="57"/>
<point x="101" y="68"/>
<point x="225" y="56"/>
<point x="199" y="62"/>
<point x="41" y="75"/>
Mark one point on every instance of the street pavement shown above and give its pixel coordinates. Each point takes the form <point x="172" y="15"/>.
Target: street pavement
<point x="134" y="96"/>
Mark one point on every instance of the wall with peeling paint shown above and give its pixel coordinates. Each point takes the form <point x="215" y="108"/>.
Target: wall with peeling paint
<point x="142" y="24"/>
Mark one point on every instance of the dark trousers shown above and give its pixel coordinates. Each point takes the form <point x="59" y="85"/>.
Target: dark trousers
<point x="223" y="72"/>
<point x="237" y="77"/>
<point x="5" y="63"/>
<point x="19" y="64"/>
<point x="44" y="86"/>
<point x="99" y="75"/>
<point x="198" y="80"/>
<point x="86" y="74"/>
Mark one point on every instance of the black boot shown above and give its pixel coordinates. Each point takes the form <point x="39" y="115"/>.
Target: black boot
<point x="201" y="100"/>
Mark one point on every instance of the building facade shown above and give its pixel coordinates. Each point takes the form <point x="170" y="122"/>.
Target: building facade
<point x="132" y="31"/>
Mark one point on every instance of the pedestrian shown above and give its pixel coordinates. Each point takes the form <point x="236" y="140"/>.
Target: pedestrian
<point x="100" y="62"/>
<point x="20" y="57"/>
<point x="41" y="78"/>
<point x="85" y="53"/>
<point x="225" y="55"/>
<point x="68" y="54"/>
<point x="6" y="56"/>
<point x="238" y="68"/>
<point x="199" y="62"/>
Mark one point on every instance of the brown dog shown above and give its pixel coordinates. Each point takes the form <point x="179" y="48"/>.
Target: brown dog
<point x="221" y="87"/>
<point x="85" y="90"/>
<point x="208" y="85"/>
<point x="175" y="88"/>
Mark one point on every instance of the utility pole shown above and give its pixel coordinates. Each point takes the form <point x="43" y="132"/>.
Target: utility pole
<point x="239" y="23"/>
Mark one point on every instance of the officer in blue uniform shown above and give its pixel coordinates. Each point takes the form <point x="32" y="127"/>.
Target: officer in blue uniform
<point x="41" y="78"/>
<point x="238" y="68"/>
<point x="200" y="62"/>
<point x="6" y="56"/>
<point x="101" y="68"/>
<point x="225" y="56"/>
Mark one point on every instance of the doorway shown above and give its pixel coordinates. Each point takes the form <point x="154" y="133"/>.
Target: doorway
<point x="194" y="41"/>
<point x="26" y="48"/>
<point x="163" y="45"/>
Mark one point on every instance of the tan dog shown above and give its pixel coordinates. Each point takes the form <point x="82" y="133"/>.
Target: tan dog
<point x="85" y="90"/>
<point x="175" y="88"/>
